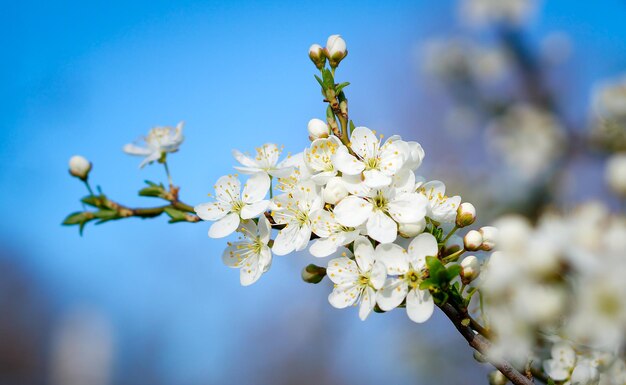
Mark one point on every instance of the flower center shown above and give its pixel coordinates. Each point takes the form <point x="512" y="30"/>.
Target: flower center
<point x="237" y="205"/>
<point x="413" y="278"/>
<point x="372" y="163"/>
<point x="364" y="279"/>
<point x="380" y="201"/>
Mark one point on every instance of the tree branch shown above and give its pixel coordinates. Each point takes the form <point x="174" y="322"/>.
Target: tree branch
<point x="482" y="345"/>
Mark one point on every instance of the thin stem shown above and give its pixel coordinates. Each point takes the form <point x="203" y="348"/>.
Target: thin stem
<point x="169" y="176"/>
<point x="88" y="187"/>
<point x="453" y="257"/>
<point x="482" y="345"/>
<point x="454" y="229"/>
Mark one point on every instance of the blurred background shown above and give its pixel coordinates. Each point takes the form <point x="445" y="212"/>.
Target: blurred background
<point x="508" y="98"/>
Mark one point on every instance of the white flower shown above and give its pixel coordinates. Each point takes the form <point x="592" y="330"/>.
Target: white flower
<point x="409" y="266"/>
<point x="318" y="157"/>
<point x="332" y="234"/>
<point x="336" y="48"/>
<point x="616" y="174"/>
<point x="231" y="206"/>
<point x="377" y="163"/>
<point x="265" y="160"/>
<point x="79" y="167"/>
<point x="441" y="208"/>
<point x="318" y="129"/>
<point x="294" y="210"/>
<point x="585" y="373"/>
<point x="381" y="210"/>
<point x="356" y="282"/>
<point x="300" y="173"/>
<point x="250" y="254"/>
<point x="560" y="366"/>
<point x="334" y="190"/>
<point x="160" y="141"/>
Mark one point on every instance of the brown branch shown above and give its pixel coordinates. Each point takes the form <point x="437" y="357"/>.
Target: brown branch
<point x="482" y="345"/>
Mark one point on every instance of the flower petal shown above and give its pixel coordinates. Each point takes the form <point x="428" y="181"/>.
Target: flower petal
<point x="394" y="291"/>
<point x="343" y="296"/>
<point x="227" y="188"/>
<point x="419" y="305"/>
<point x="364" y="253"/>
<point x="381" y="227"/>
<point x="285" y="240"/>
<point x="378" y="275"/>
<point x="253" y="210"/>
<point x="224" y="226"/>
<point x="265" y="229"/>
<point x="422" y="246"/>
<point x="364" y="142"/>
<point x="250" y="272"/>
<point x="352" y="211"/>
<point x="132" y="149"/>
<point x="376" y="179"/>
<point x="394" y="257"/>
<point x="347" y="163"/>
<point x="368" y="301"/>
<point x="255" y="188"/>
<point x="408" y="208"/>
<point x="342" y="271"/>
<point x="211" y="211"/>
<point x="244" y="159"/>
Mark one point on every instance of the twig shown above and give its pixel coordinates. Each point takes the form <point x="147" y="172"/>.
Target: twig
<point x="482" y="345"/>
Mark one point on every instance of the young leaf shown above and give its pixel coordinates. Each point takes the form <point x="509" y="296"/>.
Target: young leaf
<point x="341" y="86"/>
<point x="175" y="215"/>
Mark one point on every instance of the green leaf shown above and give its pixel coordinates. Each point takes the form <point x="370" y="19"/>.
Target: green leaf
<point x="341" y="86"/>
<point x="329" y="81"/>
<point x="434" y="266"/>
<point x="352" y="127"/>
<point x="551" y="382"/>
<point x="175" y="215"/>
<point x="452" y="272"/>
<point x="319" y="81"/>
<point x="105" y="215"/>
<point x="74" y="218"/>
<point x="92" y="200"/>
<point x="152" y="191"/>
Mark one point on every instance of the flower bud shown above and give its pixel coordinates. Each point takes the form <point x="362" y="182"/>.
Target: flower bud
<point x="80" y="167"/>
<point x="489" y="234"/>
<point x="317" y="56"/>
<point x="335" y="50"/>
<point x="410" y="230"/>
<point x="497" y="378"/>
<point x="470" y="269"/>
<point x="313" y="273"/>
<point x="334" y="191"/>
<point x="465" y="214"/>
<point x="616" y="174"/>
<point x="472" y="240"/>
<point x="317" y="129"/>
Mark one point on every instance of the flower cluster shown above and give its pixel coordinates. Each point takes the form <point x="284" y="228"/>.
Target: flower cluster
<point x="560" y="285"/>
<point x="353" y="197"/>
<point x="360" y="201"/>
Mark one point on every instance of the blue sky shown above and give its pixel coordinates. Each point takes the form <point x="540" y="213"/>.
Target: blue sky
<point x="88" y="77"/>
